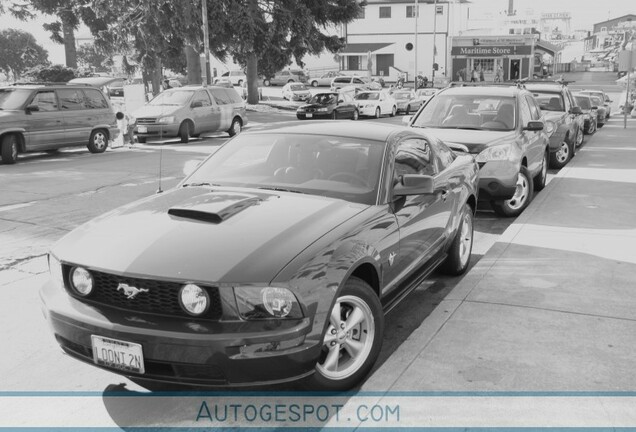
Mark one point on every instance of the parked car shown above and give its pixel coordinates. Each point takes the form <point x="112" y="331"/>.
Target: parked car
<point x="503" y="128"/>
<point x="190" y="111"/>
<point x="236" y="77"/>
<point x="328" y="105"/>
<point x="607" y="102"/>
<point x="562" y="126"/>
<point x="601" y="111"/>
<point x="376" y="103"/>
<point x="275" y="260"/>
<point x="35" y="118"/>
<point x="111" y="86"/>
<point x="590" y="112"/>
<point x="286" y="76"/>
<point x="324" y="79"/>
<point x="406" y="101"/>
<point x="345" y="81"/>
<point x="425" y="94"/>
<point x="296" y="92"/>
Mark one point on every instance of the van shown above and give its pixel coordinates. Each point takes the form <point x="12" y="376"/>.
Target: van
<point x="343" y="81"/>
<point x="285" y="77"/>
<point x="189" y="111"/>
<point x="45" y="117"/>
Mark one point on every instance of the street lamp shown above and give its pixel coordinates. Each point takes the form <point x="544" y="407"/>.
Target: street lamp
<point x="417" y="16"/>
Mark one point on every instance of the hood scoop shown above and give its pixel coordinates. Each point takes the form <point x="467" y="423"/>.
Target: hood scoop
<point x="214" y="207"/>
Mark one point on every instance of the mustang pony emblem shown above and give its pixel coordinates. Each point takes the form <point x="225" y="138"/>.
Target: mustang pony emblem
<point x="130" y="291"/>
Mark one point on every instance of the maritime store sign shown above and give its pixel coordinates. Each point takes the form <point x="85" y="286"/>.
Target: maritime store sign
<point x="491" y="51"/>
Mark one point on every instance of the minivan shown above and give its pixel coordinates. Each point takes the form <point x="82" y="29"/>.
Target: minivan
<point x="286" y="76"/>
<point x="45" y="117"/>
<point x="189" y="111"/>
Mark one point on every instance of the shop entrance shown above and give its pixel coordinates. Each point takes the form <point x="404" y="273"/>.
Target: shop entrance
<point x="515" y="69"/>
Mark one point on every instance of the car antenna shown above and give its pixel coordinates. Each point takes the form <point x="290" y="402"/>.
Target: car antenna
<point x="160" y="167"/>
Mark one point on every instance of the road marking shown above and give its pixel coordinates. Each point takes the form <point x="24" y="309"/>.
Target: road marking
<point x="15" y="206"/>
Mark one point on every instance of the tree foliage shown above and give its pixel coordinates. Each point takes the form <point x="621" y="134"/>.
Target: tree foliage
<point x="19" y="51"/>
<point x="53" y="73"/>
<point x="89" y="56"/>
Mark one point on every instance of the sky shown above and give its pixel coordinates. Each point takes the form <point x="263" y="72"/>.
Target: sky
<point x="584" y="14"/>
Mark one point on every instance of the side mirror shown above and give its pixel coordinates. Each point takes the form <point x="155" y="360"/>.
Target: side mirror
<point x="534" y="126"/>
<point x="576" y="110"/>
<point x="196" y="104"/>
<point x="32" y="108"/>
<point x="414" y="184"/>
<point x="407" y="119"/>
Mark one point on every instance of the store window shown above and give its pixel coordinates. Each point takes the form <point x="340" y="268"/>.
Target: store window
<point x="410" y="11"/>
<point x="487" y="65"/>
<point x="385" y="11"/>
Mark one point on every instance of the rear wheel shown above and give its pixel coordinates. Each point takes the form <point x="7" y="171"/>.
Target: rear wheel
<point x="314" y="83"/>
<point x="393" y="111"/>
<point x="266" y="83"/>
<point x="561" y="157"/>
<point x="353" y="338"/>
<point x="408" y="110"/>
<point x="236" y="128"/>
<point x="377" y="112"/>
<point x="356" y="115"/>
<point x="459" y="253"/>
<point x="579" y="137"/>
<point x="591" y="128"/>
<point x="185" y="132"/>
<point x="98" y="141"/>
<point x="541" y="179"/>
<point x="9" y="149"/>
<point x="520" y="200"/>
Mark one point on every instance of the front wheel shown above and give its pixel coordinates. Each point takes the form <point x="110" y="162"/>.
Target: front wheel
<point x="377" y="112"/>
<point x="236" y="127"/>
<point x="520" y="200"/>
<point x="185" y="132"/>
<point x="353" y="338"/>
<point x="459" y="253"/>
<point x="561" y="157"/>
<point x="9" y="149"/>
<point x="98" y="141"/>
<point x="542" y="178"/>
<point x="579" y="137"/>
<point x="356" y="115"/>
<point x="393" y="111"/>
<point x="314" y="83"/>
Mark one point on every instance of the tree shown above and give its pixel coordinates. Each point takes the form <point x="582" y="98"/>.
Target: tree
<point x="53" y="73"/>
<point x="19" y="51"/>
<point x="89" y="56"/>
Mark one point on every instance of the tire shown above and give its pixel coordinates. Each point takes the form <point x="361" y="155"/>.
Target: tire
<point x="460" y="249"/>
<point x="98" y="141"/>
<point x="393" y="111"/>
<point x="592" y="128"/>
<point x="290" y="81"/>
<point x="141" y="139"/>
<point x="541" y="179"/>
<point x="185" y="132"/>
<point x="408" y="110"/>
<point x="9" y="149"/>
<point x="334" y="115"/>
<point x="377" y="112"/>
<point x="236" y="127"/>
<point x="356" y="115"/>
<point x="314" y="83"/>
<point x="357" y="300"/>
<point x="579" y="138"/>
<point x="523" y="195"/>
<point x="561" y="157"/>
<point x="599" y="125"/>
<point x="267" y="83"/>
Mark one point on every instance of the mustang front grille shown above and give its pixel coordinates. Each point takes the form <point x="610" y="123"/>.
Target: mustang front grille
<point x="161" y="297"/>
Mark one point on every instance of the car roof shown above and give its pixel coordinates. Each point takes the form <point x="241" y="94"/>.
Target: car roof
<point x="363" y="130"/>
<point x="511" y="90"/>
<point x="96" y="81"/>
<point x="547" y="87"/>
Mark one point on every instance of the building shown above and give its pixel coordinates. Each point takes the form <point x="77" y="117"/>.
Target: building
<point x="608" y="38"/>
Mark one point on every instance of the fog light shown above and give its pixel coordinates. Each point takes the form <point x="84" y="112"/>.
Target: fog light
<point x="82" y="281"/>
<point x="194" y="299"/>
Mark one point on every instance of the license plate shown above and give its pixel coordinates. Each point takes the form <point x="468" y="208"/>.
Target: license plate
<point x="117" y="354"/>
<point x="142" y="129"/>
<point x="309" y="115"/>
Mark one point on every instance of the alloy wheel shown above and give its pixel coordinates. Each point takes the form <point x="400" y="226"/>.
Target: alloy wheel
<point x="522" y="192"/>
<point x="564" y="152"/>
<point x="349" y="338"/>
<point x="99" y="140"/>
<point x="466" y="239"/>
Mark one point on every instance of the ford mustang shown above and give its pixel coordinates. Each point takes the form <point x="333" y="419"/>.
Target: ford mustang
<point x="275" y="260"/>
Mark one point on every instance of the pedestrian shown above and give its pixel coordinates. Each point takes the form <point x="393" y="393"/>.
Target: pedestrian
<point x="481" y="75"/>
<point x="474" y="76"/>
<point x="499" y="74"/>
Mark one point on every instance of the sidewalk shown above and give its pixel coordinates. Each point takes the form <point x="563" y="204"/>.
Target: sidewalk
<point x="551" y="307"/>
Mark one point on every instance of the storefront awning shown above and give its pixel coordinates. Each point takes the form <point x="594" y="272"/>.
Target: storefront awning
<point x="547" y="47"/>
<point x="363" y="48"/>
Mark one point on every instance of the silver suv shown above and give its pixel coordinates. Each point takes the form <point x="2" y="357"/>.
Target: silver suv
<point x="286" y="76"/>
<point x="45" y="117"/>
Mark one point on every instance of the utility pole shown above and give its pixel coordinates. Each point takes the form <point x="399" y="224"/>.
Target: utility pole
<point x="434" y="41"/>
<point x="205" y="69"/>
<point x="417" y="16"/>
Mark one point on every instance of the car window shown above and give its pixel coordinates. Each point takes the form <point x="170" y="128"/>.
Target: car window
<point x="220" y="97"/>
<point x="413" y="156"/>
<point x="203" y="97"/>
<point x="524" y="112"/>
<point x="71" y="99"/>
<point x="95" y="99"/>
<point x="583" y="102"/>
<point x="445" y="156"/>
<point x="45" y="100"/>
<point x="232" y="95"/>
<point x="358" y="81"/>
<point x="549" y="101"/>
<point x="535" y="111"/>
<point x="346" y="97"/>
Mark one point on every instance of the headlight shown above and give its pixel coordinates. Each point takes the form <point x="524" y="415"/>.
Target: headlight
<point x="322" y="109"/>
<point x="167" y="120"/>
<point x="550" y="127"/>
<point x="55" y="270"/>
<point x="194" y="299"/>
<point x="267" y="302"/>
<point x="300" y="110"/>
<point x="81" y="281"/>
<point x="500" y="152"/>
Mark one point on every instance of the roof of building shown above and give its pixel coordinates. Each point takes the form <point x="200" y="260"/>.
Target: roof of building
<point x="363" y="48"/>
<point x="618" y="19"/>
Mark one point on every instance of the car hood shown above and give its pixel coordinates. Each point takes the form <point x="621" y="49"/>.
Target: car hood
<point x="202" y="235"/>
<point x="315" y="105"/>
<point x="155" y="110"/>
<point x="476" y="141"/>
<point x="9" y="115"/>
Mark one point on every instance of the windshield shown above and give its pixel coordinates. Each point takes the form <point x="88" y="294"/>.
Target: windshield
<point x="337" y="167"/>
<point x="12" y="99"/>
<point x="323" y="98"/>
<point x="368" y="96"/>
<point x="461" y="111"/>
<point x="298" y="87"/>
<point x="596" y="101"/>
<point x="176" y="98"/>
<point x="549" y="101"/>
<point x="423" y="92"/>
<point x="583" y="102"/>
<point x="402" y="95"/>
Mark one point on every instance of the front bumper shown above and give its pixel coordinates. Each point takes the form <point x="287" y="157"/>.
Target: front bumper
<point x="315" y="115"/>
<point x="167" y="130"/>
<point x="498" y="180"/>
<point x="187" y="351"/>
